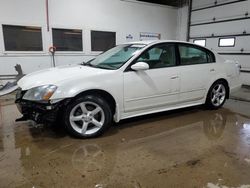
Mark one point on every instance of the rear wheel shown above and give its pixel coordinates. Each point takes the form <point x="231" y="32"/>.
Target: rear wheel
<point x="217" y="94"/>
<point x="87" y="116"/>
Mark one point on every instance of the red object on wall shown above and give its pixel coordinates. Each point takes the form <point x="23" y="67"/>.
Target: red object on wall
<point x="52" y="49"/>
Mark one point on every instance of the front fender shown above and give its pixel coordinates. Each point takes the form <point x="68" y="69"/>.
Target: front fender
<point x="113" y="87"/>
<point x="72" y="90"/>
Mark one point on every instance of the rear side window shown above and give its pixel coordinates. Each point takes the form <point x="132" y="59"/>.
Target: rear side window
<point x="193" y="55"/>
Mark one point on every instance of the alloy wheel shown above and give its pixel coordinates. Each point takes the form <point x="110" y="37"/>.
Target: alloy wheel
<point x="87" y="118"/>
<point x="218" y="94"/>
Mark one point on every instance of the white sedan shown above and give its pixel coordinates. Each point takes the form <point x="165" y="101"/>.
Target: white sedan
<point x="126" y="81"/>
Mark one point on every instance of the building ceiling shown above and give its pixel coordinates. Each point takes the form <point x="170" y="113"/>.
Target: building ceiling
<point x="175" y="3"/>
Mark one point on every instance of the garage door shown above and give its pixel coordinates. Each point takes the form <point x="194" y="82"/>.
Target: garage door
<point x="223" y="26"/>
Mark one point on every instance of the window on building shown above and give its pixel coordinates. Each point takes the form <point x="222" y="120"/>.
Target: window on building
<point x="102" y="40"/>
<point x="193" y="55"/>
<point x="201" y="42"/>
<point x="22" y="38"/>
<point x="67" y="39"/>
<point x="226" y="42"/>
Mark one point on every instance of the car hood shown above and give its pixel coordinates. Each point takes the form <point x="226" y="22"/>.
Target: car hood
<point x="58" y="75"/>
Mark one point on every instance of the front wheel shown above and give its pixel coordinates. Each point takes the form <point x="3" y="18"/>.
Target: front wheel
<point x="216" y="96"/>
<point x="87" y="116"/>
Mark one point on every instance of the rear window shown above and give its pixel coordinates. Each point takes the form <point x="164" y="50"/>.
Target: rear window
<point x="194" y="55"/>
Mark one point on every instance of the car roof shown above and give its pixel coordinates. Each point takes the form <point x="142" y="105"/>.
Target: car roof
<point x="147" y="42"/>
<point x="152" y="42"/>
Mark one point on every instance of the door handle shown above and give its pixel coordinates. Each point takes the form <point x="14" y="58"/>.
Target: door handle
<point x="174" y="77"/>
<point x="212" y="70"/>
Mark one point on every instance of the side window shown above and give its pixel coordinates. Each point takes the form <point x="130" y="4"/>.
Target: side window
<point x="192" y="55"/>
<point x="160" y="56"/>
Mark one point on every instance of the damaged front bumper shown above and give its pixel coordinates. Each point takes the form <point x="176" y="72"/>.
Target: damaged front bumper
<point x="40" y="112"/>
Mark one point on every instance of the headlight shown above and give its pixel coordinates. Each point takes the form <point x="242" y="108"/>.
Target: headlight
<point x="41" y="93"/>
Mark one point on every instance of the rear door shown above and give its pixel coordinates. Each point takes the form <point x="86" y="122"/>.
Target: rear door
<point x="197" y="67"/>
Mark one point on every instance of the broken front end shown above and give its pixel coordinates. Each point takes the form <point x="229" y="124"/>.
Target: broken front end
<point x="40" y="111"/>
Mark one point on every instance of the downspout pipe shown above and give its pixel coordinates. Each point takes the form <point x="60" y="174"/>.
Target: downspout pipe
<point x="190" y="4"/>
<point x="47" y="14"/>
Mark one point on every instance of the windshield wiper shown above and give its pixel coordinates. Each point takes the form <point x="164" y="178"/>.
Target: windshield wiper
<point x="108" y="66"/>
<point x="104" y="67"/>
<point x="88" y="64"/>
<point x="97" y="66"/>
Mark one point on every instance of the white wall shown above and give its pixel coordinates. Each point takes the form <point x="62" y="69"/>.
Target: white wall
<point x="229" y="11"/>
<point x="123" y="17"/>
<point x="182" y="23"/>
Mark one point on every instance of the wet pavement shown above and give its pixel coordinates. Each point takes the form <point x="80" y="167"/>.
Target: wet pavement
<point x="183" y="148"/>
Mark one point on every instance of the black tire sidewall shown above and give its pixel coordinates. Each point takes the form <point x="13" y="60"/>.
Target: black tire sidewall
<point x="90" y="98"/>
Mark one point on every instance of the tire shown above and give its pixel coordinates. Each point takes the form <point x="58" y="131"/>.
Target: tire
<point x="87" y="116"/>
<point x="217" y="95"/>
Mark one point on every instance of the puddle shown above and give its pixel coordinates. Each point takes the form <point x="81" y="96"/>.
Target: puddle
<point x="182" y="148"/>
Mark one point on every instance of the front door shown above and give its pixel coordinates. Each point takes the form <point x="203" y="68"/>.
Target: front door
<point x="156" y="87"/>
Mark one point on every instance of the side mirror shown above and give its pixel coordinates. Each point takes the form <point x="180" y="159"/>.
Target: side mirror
<point x="140" y="66"/>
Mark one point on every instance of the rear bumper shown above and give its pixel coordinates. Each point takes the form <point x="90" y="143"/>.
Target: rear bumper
<point x="235" y="85"/>
<point x="235" y="88"/>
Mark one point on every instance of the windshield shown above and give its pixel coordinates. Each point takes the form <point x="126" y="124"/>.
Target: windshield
<point x="115" y="57"/>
